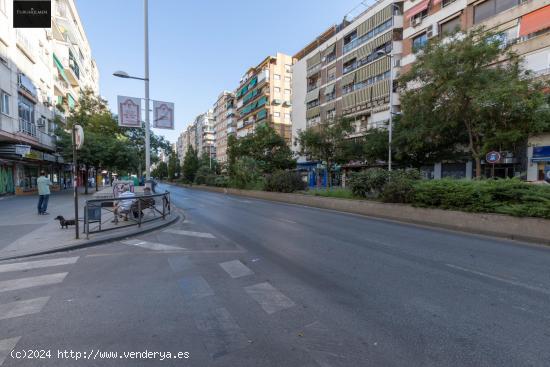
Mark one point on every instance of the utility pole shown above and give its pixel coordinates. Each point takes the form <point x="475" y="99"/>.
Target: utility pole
<point x="147" y="127"/>
<point x="75" y="184"/>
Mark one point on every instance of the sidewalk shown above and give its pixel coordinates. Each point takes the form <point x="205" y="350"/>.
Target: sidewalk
<point x="24" y="232"/>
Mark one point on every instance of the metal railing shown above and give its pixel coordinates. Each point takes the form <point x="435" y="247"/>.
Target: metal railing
<point x="101" y="215"/>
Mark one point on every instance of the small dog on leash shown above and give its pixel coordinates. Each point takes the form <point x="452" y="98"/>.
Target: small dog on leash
<point x="65" y="223"/>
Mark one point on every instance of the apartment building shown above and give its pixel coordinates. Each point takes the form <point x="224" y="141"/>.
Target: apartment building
<point x="225" y="123"/>
<point x="346" y="71"/>
<point x="264" y="96"/>
<point x="522" y="24"/>
<point x="205" y="135"/>
<point x="42" y="71"/>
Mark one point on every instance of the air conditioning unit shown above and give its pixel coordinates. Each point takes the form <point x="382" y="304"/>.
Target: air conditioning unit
<point x="431" y="31"/>
<point x="417" y="21"/>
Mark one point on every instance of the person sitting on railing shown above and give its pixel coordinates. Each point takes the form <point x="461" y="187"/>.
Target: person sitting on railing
<point x="123" y="207"/>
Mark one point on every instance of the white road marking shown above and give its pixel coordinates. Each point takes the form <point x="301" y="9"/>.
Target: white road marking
<point x="37" y="264"/>
<point x="6" y="346"/>
<point x="269" y="297"/>
<point x="152" y="246"/>
<point x="236" y="269"/>
<point x="287" y="220"/>
<point x="22" y="308"/>
<point x="494" y="277"/>
<point x="21" y="283"/>
<point x="195" y="287"/>
<point x="189" y="233"/>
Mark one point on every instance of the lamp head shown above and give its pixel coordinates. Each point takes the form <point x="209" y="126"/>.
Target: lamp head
<point x="121" y="74"/>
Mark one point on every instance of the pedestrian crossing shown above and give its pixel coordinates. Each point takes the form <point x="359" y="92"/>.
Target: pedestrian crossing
<point x="19" y="305"/>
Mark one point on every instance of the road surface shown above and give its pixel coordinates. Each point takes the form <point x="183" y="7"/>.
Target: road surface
<point x="245" y="282"/>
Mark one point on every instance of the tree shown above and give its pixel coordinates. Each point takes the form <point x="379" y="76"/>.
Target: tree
<point x="190" y="164"/>
<point x="467" y="100"/>
<point x="265" y="146"/>
<point x="375" y="146"/>
<point x="173" y="163"/>
<point x="327" y="142"/>
<point x="161" y="171"/>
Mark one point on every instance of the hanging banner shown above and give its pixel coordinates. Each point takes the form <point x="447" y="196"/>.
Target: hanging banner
<point x="163" y="115"/>
<point x="129" y="111"/>
<point x="79" y="136"/>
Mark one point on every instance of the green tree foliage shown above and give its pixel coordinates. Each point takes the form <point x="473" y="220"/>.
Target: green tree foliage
<point x="190" y="164"/>
<point x="265" y="146"/>
<point x="461" y="98"/>
<point x="328" y="142"/>
<point x="173" y="166"/>
<point x="161" y="171"/>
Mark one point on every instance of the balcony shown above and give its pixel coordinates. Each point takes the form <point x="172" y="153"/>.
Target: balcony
<point x="231" y="130"/>
<point x="29" y="128"/>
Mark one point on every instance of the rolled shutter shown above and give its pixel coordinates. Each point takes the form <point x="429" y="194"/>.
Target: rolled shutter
<point x="312" y="96"/>
<point x="348" y="79"/>
<point x="314" y="60"/>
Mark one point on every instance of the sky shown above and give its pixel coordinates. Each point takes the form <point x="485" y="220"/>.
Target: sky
<point x="197" y="48"/>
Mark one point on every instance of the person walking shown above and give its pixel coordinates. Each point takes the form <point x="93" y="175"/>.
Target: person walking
<point x="43" y="184"/>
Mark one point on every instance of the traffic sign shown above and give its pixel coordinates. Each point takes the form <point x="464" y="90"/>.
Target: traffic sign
<point x="492" y="157"/>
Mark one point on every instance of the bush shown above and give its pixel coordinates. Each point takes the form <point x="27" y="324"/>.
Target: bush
<point x="368" y="183"/>
<point x="221" y="181"/>
<point x="202" y="175"/>
<point x="371" y="182"/>
<point x="398" y="190"/>
<point x="284" y="181"/>
<point x="508" y="196"/>
<point x="246" y="174"/>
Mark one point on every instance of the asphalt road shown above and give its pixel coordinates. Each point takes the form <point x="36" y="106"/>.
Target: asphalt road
<point x="247" y="282"/>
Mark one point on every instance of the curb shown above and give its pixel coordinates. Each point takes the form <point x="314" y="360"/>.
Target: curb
<point x="97" y="242"/>
<point x="396" y="213"/>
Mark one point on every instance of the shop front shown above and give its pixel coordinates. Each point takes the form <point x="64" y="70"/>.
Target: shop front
<point x="540" y="163"/>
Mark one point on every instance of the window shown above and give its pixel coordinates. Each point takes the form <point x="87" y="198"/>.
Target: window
<point x="287" y="116"/>
<point x="490" y="8"/>
<point x="287" y="78"/>
<point x="277" y="90"/>
<point x="331" y="114"/>
<point x="287" y="91"/>
<point x="415" y="20"/>
<point x="276" y="114"/>
<point x="331" y="73"/>
<point x="419" y="42"/>
<point x="26" y="110"/>
<point x="276" y="77"/>
<point x="5" y="102"/>
<point x="451" y="26"/>
<point x="447" y="2"/>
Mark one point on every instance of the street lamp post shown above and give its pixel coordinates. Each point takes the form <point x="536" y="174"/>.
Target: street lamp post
<point x="122" y="74"/>
<point x="390" y="127"/>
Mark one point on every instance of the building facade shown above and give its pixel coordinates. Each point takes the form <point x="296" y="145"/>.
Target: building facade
<point x="523" y="25"/>
<point x="346" y="71"/>
<point x="225" y="123"/>
<point x="264" y="96"/>
<point x="42" y="72"/>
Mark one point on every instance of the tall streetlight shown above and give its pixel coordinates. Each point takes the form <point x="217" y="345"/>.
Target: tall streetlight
<point x="122" y="74"/>
<point x="390" y="127"/>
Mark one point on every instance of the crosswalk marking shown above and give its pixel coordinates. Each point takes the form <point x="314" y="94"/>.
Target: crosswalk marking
<point x="236" y="269"/>
<point x="14" y="284"/>
<point x="22" y="308"/>
<point x="195" y="287"/>
<point x="6" y="346"/>
<point x="152" y="245"/>
<point x="190" y="233"/>
<point x="269" y="297"/>
<point x="37" y="264"/>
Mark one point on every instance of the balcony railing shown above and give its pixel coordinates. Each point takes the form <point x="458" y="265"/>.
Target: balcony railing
<point x="30" y="129"/>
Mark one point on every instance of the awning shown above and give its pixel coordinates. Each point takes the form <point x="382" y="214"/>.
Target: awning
<point x="312" y="96"/>
<point x="420" y="7"/>
<point x="535" y="21"/>
<point x="348" y="79"/>
<point x="70" y="101"/>
<point x="59" y="66"/>
<point x="329" y="89"/>
<point x="312" y="61"/>
<point x="329" y="50"/>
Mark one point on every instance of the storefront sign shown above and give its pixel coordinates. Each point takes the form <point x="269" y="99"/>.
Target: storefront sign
<point x="492" y="157"/>
<point x="163" y="115"/>
<point x="129" y="111"/>
<point x="22" y="150"/>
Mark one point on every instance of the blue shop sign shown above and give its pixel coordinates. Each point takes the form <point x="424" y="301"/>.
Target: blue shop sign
<point x="541" y="154"/>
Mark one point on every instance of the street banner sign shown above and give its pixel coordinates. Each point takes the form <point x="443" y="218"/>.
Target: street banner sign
<point x="163" y="115"/>
<point x="129" y="111"/>
<point x="78" y="136"/>
<point x="492" y="157"/>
